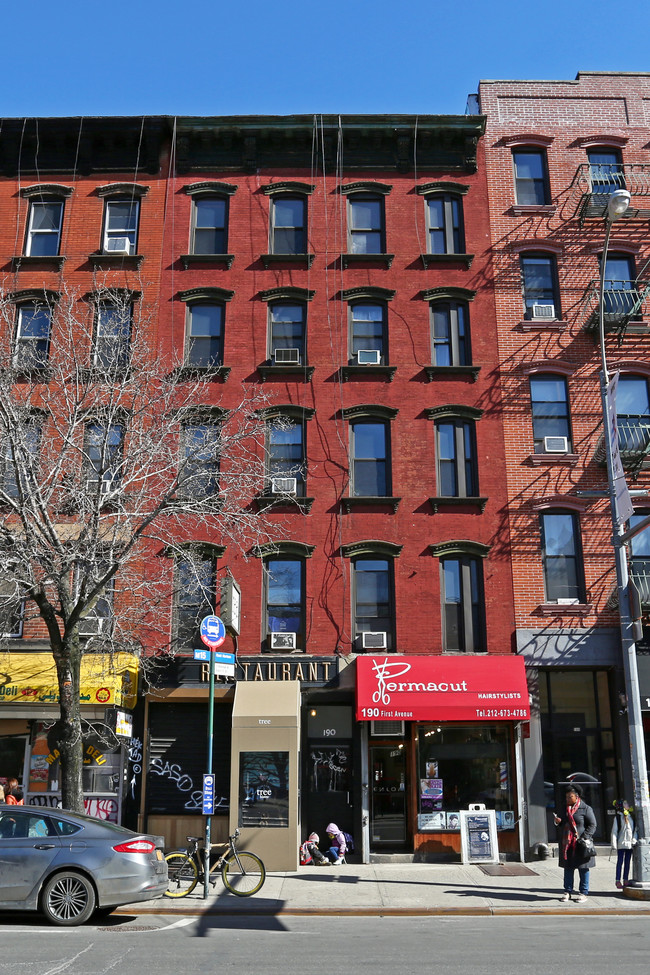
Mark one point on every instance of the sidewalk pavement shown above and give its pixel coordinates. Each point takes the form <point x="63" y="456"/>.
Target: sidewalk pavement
<point x="410" y="889"/>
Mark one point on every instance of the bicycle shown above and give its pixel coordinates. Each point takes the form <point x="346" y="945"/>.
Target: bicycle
<point x="243" y="873"/>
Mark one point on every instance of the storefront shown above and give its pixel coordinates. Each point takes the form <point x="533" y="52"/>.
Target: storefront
<point x="28" y="715"/>
<point x="442" y="732"/>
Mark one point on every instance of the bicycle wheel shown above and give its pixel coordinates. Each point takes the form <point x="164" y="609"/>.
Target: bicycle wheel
<point x="182" y="874"/>
<point x="246" y="879"/>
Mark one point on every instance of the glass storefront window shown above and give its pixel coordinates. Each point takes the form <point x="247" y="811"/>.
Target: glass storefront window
<point x="463" y="764"/>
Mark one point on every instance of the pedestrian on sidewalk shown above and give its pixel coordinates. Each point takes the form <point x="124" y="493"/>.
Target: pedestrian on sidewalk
<point x="576" y="825"/>
<point x="624" y="837"/>
<point x="309" y="852"/>
<point x="338" y="847"/>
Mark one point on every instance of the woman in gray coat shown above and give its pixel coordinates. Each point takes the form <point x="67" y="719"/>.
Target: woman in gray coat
<point x="576" y="821"/>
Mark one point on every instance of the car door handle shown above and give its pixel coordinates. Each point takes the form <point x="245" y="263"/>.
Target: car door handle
<point x="45" y="846"/>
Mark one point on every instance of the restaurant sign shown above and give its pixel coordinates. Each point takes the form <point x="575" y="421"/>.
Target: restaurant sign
<point x="442" y="688"/>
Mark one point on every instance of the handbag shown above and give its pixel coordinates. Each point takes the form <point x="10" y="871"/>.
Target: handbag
<point x="587" y="845"/>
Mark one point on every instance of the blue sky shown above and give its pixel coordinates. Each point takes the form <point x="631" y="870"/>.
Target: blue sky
<point x="196" y="57"/>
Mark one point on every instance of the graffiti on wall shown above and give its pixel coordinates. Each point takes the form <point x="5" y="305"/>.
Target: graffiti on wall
<point x="185" y="784"/>
<point x="100" y="807"/>
<point x="135" y="763"/>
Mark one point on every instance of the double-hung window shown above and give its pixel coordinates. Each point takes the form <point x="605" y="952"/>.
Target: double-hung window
<point x="620" y="298"/>
<point x="368" y="333"/>
<point x="450" y="335"/>
<point x="605" y="173"/>
<point x="44" y="228"/>
<point x="562" y="557"/>
<point x="19" y="459"/>
<point x="640" y="558"/>
<point x="550" y="411"/>
<point x="531" y="177"/>
<point x="540" y="287"/>
<point x="205" y="326"/>
<point x="373" y="602"/>
<point x="210" y="225"/>
<point x="112" y="335"/>
<point x="12" y="606"/>
<point x="288" y="225"/>
<point x="121" y="227"/>
<point x="633" y="413"/>
<point x="445" y="234"/>
<point x="195" y="593"/>
<point x="104" y="456"/>
<point x="199" y="473"/>
<point x="286" y="456"/>
<point x="370" y="458"/>
<point x="463" y="603"/>
<point x="456" y="458"/>
<point x="32" y="343"/>
<point x="287" y="333"/>
<point x="366" y="224"/>
<point x="99" y="617"/>
<point x="285" y="603"/>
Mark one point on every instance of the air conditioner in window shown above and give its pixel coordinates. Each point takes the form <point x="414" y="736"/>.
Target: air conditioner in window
<point x="108" y="485"/>
<point x="566" y="601"/>
<point x="287" y="357"/>
<point x="368" y="357"/>
<point x="373" y="641"/>
<point x="543" y="311"/>
<point x="282" y="641"/>
<point x="119" y="246"/>
<point x="387" y="729"/>
<point x="556" y="445"/>
<point x="284" y="485"/>
<point x="92" y="625"/>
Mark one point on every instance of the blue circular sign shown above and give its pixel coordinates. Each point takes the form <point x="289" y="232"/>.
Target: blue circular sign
<point x="213" y="632"/>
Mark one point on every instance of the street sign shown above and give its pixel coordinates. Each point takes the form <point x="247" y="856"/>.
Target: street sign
<point x="213" y="632"/>
<point x="202" y="654"/>
<point x="208" y="794"/>
<point x="224" y="663"/>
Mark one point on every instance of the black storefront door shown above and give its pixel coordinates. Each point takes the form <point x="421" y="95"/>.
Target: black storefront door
<point x="328" y="772"/>
<point x="387" y="797"/>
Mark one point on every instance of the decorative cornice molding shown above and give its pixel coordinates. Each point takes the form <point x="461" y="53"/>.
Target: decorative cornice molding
<point x="369" y="409"/>
<point x="205" y="294"/>
<point x="288" y="186"/>
<point x="442" y="186"/>
<point x="209" y="186"/>
<point x="46" y="189"/>
<point x="292" y="549"/>
<point x="460" y="410"/>
<point x="286" y="291"/>
<point x="368" y="291"/>
<point x="366" y="186"/>
<point x="371" y="546"/>
<point x="123" y="189"/>
<point x="448" y="292"/>
<point x="460" y="546"/>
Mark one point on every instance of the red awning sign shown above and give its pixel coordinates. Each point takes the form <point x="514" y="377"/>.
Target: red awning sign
<point x="441" y="688"/>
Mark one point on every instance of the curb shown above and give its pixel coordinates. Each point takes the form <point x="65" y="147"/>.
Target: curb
<point x="391" y="912"/>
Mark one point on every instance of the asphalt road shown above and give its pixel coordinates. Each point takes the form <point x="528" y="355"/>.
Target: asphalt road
<point x="158" y="945"/>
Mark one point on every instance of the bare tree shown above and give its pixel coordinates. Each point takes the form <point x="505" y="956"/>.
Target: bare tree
<point x="112" y="460"/>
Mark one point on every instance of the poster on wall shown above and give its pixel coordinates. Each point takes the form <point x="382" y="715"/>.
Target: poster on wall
<point x="263" y="789"/>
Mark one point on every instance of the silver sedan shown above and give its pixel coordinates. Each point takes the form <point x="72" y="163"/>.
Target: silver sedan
<point x="70" y="866"/>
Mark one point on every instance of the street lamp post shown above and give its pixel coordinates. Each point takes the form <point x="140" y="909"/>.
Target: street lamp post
<point x="621" y="508"/>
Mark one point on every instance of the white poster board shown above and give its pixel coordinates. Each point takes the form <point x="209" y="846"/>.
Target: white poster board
<point x="478" y="834"/>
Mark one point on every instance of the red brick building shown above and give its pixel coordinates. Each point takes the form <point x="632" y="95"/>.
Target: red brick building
<point x="555" y="151"/>
<point x="344" y="266"/>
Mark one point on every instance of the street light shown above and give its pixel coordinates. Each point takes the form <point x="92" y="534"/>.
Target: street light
<point x="621" y="509"/>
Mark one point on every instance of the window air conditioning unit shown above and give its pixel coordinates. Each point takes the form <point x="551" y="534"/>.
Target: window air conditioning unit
<point x="373" y="641"/>
<point x="118" y="246"/>
<point x="284" y="485"/>
<point x="287" y="357"/>
<point x="566" y="601"/>
<point x="283" y="641"/>
<point x="109" y="485"/>
<point x="92" y="625"/>
<point x="543" y="311"/>
<point x="387" y="729"/>
<point x="556" y="445"/>
<point x="368" y="357"/>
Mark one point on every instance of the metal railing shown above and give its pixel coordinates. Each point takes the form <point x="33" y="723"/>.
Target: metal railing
<point x="640" y="575"/>
<point x="623" y="302"/>
<point x="594" y="184"/>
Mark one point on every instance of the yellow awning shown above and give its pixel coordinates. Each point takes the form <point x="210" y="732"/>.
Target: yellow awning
<point x="30" y="678"/>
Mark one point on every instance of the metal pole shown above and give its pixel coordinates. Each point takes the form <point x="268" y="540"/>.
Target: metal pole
<point x="208" y="819"/>
<point x="641" y="872"/>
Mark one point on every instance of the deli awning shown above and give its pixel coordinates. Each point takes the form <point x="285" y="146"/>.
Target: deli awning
<point x="30" y="679"/>
<point x="442" y="688"/>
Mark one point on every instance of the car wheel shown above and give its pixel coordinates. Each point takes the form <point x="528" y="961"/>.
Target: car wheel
<point x="68" y="898"/>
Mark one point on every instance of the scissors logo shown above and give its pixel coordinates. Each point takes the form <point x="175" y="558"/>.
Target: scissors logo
<point x="385" y="671"/>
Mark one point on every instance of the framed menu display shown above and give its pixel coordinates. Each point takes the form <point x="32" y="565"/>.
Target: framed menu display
<point x="478" y="835"/>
